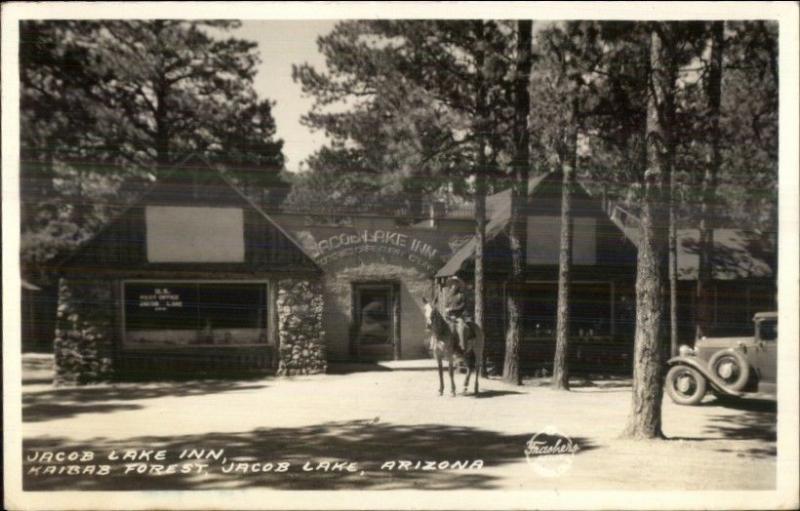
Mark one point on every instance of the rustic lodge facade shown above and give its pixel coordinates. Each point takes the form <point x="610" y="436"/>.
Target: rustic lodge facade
<point x="195" y="278"/>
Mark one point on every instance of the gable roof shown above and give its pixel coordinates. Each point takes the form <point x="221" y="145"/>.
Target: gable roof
<point x="172" y="188"/>
<point x="737" y="254"/>
<point x="498" y="217"/>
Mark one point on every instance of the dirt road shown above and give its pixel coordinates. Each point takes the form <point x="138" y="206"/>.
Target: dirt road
<point x="370" y="422"/>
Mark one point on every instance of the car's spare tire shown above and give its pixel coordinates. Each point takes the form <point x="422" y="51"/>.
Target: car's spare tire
<point x="731" y="368"/>
<point x="685" y="385"/>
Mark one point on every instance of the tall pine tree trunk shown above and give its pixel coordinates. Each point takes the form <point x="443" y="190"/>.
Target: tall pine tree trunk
<point x="560" y="365"/>
<point x="78" y="216"/>
<point x="673" y="268"/>
<point x="519" y="199"/>
<point x="480" y="175"/>
<point x="644" y="420"/>
<point x="709" y="185"/>
<point x="480" y="237"/>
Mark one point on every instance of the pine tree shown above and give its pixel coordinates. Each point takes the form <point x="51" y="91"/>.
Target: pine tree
<point x="519" y="198"/>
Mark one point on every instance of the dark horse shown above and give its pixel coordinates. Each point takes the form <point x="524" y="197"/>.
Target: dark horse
<point x="443" y="340"/>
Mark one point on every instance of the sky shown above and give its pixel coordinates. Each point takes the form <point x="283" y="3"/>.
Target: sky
<point x="281" y="44"/>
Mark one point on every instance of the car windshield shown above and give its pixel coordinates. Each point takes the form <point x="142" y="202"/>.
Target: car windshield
<point x="768" y="330"/>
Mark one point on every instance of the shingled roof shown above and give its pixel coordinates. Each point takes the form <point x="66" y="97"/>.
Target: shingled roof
<point x="121" y="242"/>
<point x="737" y="254"/>
<point x="498" y="216"/>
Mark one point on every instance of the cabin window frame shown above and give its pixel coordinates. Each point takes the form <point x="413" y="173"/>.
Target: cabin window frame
<point x="268" y="314"/>
<point x="612" y="296"/>
<point x="552" y="219"/>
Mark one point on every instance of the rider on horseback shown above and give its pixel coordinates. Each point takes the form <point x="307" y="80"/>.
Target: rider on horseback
<point x="455" y="306"/>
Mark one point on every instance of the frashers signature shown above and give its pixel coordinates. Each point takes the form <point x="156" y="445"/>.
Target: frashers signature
<point x="550" y="452"/>
<point x="542" y="447"/>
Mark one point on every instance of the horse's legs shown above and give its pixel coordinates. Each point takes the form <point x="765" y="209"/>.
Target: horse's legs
<point x="469" y="374"/>
<point x="478" y="367"/>
<point x="450" y="370"/>
<point x="441" y="372"/>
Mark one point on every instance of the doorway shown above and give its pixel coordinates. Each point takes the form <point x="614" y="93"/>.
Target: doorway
<point x="376" y="321"/>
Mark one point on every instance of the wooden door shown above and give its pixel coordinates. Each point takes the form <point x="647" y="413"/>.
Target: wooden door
<point x="376" y="318"/>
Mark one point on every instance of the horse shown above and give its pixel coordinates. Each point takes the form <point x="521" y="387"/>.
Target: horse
<point x="443" y="339"/>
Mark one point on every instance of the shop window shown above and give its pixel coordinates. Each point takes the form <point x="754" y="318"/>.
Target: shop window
<point x="194" y="314"/>
<point x="735" y="303"/>
<point x="590" y="310"/>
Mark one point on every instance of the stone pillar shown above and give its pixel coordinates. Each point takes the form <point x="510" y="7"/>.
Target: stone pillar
<point x="302" y="348"/>
<point x="84" y="334"/>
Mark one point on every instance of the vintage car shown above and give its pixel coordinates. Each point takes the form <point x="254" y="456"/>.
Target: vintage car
<point x="728" y="366"/>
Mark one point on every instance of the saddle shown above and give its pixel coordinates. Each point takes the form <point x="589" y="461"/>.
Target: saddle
<point x="468" y="331"/>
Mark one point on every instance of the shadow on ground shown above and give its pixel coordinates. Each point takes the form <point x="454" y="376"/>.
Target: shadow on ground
<point x="354" y="367"/>
<point x="368" y="443"/>
<point x="37" y="368"/>
<point x="751" y="420"/>
<point x="63" y="402"/>
<point x="587" y="382"/>
<point x="486" y="394"/>
<point x="36" y="362"/>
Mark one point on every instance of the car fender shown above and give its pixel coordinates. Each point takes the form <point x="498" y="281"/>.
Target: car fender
<point x="703" y="369"/>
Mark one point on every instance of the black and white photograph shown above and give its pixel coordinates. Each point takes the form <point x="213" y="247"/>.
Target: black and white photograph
<point x="432" y="255"/>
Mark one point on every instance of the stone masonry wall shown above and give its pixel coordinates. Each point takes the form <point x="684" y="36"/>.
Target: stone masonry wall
<point x="84" y="332"/>
<point x="302" y="347"/>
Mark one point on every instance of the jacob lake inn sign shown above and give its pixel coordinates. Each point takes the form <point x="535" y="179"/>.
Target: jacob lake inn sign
<point x="378" y="241"/>
<point x="194" y="278"/>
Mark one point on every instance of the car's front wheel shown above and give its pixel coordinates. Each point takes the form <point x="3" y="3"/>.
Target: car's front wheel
<point x="685" y="385"/>
<point x="731" y="367"/>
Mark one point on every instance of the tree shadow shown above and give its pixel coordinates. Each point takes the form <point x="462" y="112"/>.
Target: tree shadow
<point x="368" y="444"/>
<point x="621" y="382"/>
<point x="587" y="383"/>
<point x="63" y="402"/>
<point x="37" y="369"/>
<point x="37" y="363"/>
<point x="756" y="421"/>
<point x="746" y="404"/>
<point x="739" y="253"/>
<point x="40" y="412"/>
<point x="488" y="394"/>
<point x="744" y="426"/>
<point x="354" y="367"/>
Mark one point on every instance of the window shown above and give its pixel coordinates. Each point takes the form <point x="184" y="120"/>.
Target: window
<point x="544" y="240"/>
<point x="768" y="330"/>
<point x="590" y="309"/>
<point x="731" y="317"/>
<point x="192" y="313"/>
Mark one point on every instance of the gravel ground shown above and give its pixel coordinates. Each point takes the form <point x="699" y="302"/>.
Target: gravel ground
<point x="366" y="420"/>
